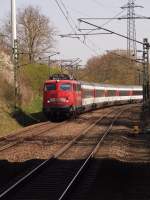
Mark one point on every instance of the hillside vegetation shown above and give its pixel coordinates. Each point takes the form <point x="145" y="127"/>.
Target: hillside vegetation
<point x="30" y="83"/>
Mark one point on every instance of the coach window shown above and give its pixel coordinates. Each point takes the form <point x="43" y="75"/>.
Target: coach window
<point x="136" y="93"/>
<point x="65" y="86"/>
<point x="49" y="87"/>
<point x="111" y="93"/>
<point x="100" y="93"/>
<point x="124" y="93"/>
<point x="88" y="93"/>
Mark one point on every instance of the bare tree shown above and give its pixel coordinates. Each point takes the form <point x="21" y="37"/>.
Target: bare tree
<point x="35" y="32"/>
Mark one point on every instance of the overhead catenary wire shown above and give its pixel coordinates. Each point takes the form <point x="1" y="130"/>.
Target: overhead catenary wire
<point x="66" y="17"/>
<point x="110" y="31"/>
<point x="112" y="18"/>
<point x="69" y="16"/>
<point x="76" y="29"/>
<point x="85" y="39"/>
<point x="108" y="21"/>
<point x="84" y="34"/>
<point x="73" y="27"/>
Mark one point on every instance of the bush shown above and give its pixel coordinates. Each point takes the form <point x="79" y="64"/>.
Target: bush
<point x="6" y="91"/>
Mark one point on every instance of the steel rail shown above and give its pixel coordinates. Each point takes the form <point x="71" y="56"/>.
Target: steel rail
<point x="91" y="155"/>
<point x="20" y="140"/>
<point x="51" y="158"/>
<point x="24" y="130"/>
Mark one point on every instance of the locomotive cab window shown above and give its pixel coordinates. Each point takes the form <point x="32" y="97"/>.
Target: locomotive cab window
<point x="65" y="86"/>
<point x="49" y="87"/>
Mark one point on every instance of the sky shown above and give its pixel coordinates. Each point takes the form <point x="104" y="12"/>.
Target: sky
<point x="73" y="48"/>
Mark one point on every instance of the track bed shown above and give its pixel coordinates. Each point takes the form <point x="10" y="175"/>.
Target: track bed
<point x="119" y="170"/>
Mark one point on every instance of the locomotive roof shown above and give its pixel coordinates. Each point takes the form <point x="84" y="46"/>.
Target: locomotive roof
<point x="62" y="81"/>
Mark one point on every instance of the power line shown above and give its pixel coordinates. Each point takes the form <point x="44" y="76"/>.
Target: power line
<point x="109" y="20"/>
<point x="71" y="26"/>
<point x="110" y="31"/>
<point x="84" y="34"/>
<point x="82" y="41"/>
<point x="113" y="18"/>
<point x="73" y="22"/>
<point x="66" y="17"/>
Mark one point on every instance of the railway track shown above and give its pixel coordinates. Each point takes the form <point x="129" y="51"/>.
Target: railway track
<point x="39" y="179"/>
<point x="82" y="169"/>
<point x="29" y="132"/>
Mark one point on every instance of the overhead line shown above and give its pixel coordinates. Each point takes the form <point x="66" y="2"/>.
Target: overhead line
<point x="73" y="29"/>
<point x="110" y="31"/>
<point x="83" y="42"/>
<point x="84" y="34"/>
<point x="65" y="15"/>
<point x="112" y="18"/>
<point x="68" y="14"/>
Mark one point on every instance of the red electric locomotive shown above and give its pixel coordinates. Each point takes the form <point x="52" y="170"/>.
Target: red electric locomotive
<point x="61" y="95"/>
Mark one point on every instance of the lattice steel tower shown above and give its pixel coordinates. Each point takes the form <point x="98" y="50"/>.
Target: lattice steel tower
<point x="131" y="28"/>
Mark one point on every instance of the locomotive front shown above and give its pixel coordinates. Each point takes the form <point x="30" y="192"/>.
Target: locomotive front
<point x="58" y="97"/>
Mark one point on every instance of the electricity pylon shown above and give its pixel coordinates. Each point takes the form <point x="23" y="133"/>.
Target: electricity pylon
<point x="131" y="28"/>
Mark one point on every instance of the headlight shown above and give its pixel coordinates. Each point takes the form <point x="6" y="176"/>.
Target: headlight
<point x="62" y="100"/>
<point x="58" y="100"/>
<point x="51" y="100"/>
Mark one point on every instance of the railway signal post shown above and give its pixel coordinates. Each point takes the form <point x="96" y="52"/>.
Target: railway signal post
<point x="146" y="88"/>
<point x="15" y="59"/>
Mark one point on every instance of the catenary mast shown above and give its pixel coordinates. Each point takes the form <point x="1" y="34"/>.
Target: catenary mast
<point x="14" y="49"/>
<point x="13" y="22"/>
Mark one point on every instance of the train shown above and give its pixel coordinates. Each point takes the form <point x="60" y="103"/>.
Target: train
<point x="65" y="96"/>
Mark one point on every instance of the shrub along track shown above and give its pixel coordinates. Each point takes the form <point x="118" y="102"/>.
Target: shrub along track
<point x="42" y="183"/>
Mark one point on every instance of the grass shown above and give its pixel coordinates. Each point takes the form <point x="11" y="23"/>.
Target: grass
<point x="33" y="77"/>
<point x="35" y="106"/>
<point x="36" y="74"/>
<point x="7" y="123"/>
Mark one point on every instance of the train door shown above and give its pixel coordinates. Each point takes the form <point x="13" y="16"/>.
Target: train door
<point x="77" y="94"/>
